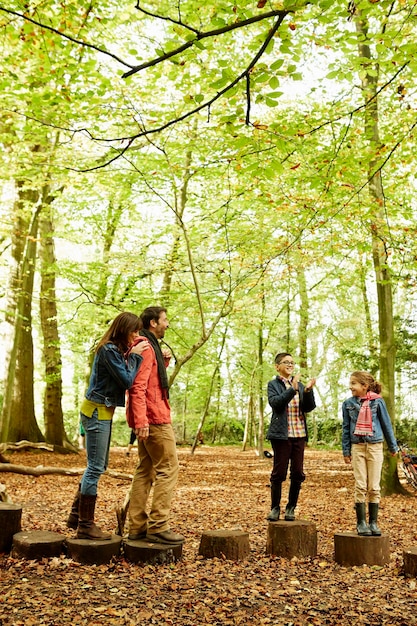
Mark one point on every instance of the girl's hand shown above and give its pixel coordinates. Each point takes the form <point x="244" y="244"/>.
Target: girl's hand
<point x="347" y="459"/>
<point x="294" y="381"/>
<point x="166" y="353"/>
<point x="140" y="347"/>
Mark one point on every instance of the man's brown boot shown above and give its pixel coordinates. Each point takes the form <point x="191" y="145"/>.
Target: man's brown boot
<point x="87" y="529"/>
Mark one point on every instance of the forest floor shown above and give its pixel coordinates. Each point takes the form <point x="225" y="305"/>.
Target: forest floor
<point x="218" y="488"/>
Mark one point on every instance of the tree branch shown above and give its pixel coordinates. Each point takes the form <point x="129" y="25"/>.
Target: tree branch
<point x="199" y="36"/>
<point x="197" y="109"/>
<point x="79" y="42"/>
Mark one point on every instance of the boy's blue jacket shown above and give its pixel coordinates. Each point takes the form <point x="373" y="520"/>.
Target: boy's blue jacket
<point x="381" y="425"/>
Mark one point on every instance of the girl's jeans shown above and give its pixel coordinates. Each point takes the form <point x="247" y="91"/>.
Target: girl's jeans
<point x="367" y="461"/>
<point x="98" y="434"/>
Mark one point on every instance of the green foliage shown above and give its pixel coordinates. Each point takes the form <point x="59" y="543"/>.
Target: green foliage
<point x="211" y="214"/>
<point x="406" y="431"/>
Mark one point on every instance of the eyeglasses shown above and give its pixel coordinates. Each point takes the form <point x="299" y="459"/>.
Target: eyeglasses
<point x="286" y="363"/>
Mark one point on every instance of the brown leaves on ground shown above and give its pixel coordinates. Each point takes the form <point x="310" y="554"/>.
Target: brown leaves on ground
<point x="218" y="488"/>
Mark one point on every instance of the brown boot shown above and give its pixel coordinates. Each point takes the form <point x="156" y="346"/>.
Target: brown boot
<point x="87" y="529"/>
<point x="72" y="521"/>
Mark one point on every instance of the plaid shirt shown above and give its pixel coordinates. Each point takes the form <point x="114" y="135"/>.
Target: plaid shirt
<point x="296" y="424"/>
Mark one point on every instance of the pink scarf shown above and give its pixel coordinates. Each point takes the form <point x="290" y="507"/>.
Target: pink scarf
<point x="364" y="423"/>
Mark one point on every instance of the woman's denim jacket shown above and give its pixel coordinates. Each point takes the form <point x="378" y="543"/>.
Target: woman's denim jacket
<point x="111" y="375"/>
<point x="381" y="425"/>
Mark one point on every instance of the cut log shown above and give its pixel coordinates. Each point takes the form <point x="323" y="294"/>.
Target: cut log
<point x="224" y="544"/>
<point x="292" y="539"/>
<point x="10" y="524"/>
<point x="25" y="445"/>
<point x="353" y="549"/>
<point x="151" y="553"/>
<point x="37" y="544"/>
<point x="42" y="470"/>
<point x="410" y="562"/>
<point x="90" y="552"/>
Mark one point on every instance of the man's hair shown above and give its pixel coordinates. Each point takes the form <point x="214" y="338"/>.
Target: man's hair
<point x="151" y="313"/>
<point x="280" y="356"/>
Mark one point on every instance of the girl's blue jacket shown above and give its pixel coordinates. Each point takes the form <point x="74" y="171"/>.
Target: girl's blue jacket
<point x="381" y="425"/>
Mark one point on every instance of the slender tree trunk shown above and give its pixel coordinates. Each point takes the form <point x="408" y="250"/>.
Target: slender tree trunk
<point x="53" y="414"/>
<point x="303" y="321"/>
<point x="214" y="378"/>
<point x="373" y="350"/>
<point x="261" y="393"/>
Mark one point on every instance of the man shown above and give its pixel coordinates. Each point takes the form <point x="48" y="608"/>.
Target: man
<point x="289" y="401"/>
<point x="149" y="415"/>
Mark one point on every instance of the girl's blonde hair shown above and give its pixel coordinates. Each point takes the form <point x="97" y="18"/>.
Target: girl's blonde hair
<point x="365" y="378"/>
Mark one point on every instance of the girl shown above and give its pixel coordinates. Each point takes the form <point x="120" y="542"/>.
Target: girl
<point x="111" y="375"/>
<point x="365" y="424"/>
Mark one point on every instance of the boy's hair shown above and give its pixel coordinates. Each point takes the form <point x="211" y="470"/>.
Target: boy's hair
<point x="280" y="356"/>
<point x="365" y="378"/>
<point x="151" y="313"/>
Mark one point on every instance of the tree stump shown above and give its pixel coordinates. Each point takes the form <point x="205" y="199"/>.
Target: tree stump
<point x="410" y="562"/>
<point x="10" y="524"/>
<point x="224" y="544"/>
<point x="289" y="539"/>
<point x="151" y="553"/>
<point x="91" y="552"/>
<point x="37" y="544"/>
<point x="353" y="549"/>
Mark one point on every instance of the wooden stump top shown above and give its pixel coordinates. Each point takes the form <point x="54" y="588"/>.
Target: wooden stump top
<point x="226" y="544"/>
<point x="10" y="506"/>
<point x="37" y="544"/>
<point x="93" y="552"/>
<point x="151" y="553"/>
<point x="353" y="549"/>
<point x="292" y="539"/>
<point x="410" y="562"/>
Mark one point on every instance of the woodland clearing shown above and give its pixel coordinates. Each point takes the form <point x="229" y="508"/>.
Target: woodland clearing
<point x="218" y="488"/>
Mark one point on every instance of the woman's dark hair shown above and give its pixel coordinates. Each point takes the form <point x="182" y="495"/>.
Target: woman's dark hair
<point x="365" y="378"/>
<point x="120" y="329"/>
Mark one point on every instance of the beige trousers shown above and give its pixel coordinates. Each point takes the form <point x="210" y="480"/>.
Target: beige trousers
<point x="367" y="461"/>
<point x="158" y="466"/>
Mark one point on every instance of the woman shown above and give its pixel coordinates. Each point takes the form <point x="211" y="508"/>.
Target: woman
<point x="111" y="375"/>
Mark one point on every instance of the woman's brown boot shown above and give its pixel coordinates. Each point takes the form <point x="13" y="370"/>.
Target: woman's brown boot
<point x="87" y="529"/>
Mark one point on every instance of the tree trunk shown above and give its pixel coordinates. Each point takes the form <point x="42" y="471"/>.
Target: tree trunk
<point x="390" y="482"/>
<point x="261" y="403"/>
<point x="53" y="414"/>
<point x="303" y="321"/>
<point x="18" y="419"/>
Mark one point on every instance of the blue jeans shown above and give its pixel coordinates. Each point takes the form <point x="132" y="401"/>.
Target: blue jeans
<point x="98" y="435"/>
